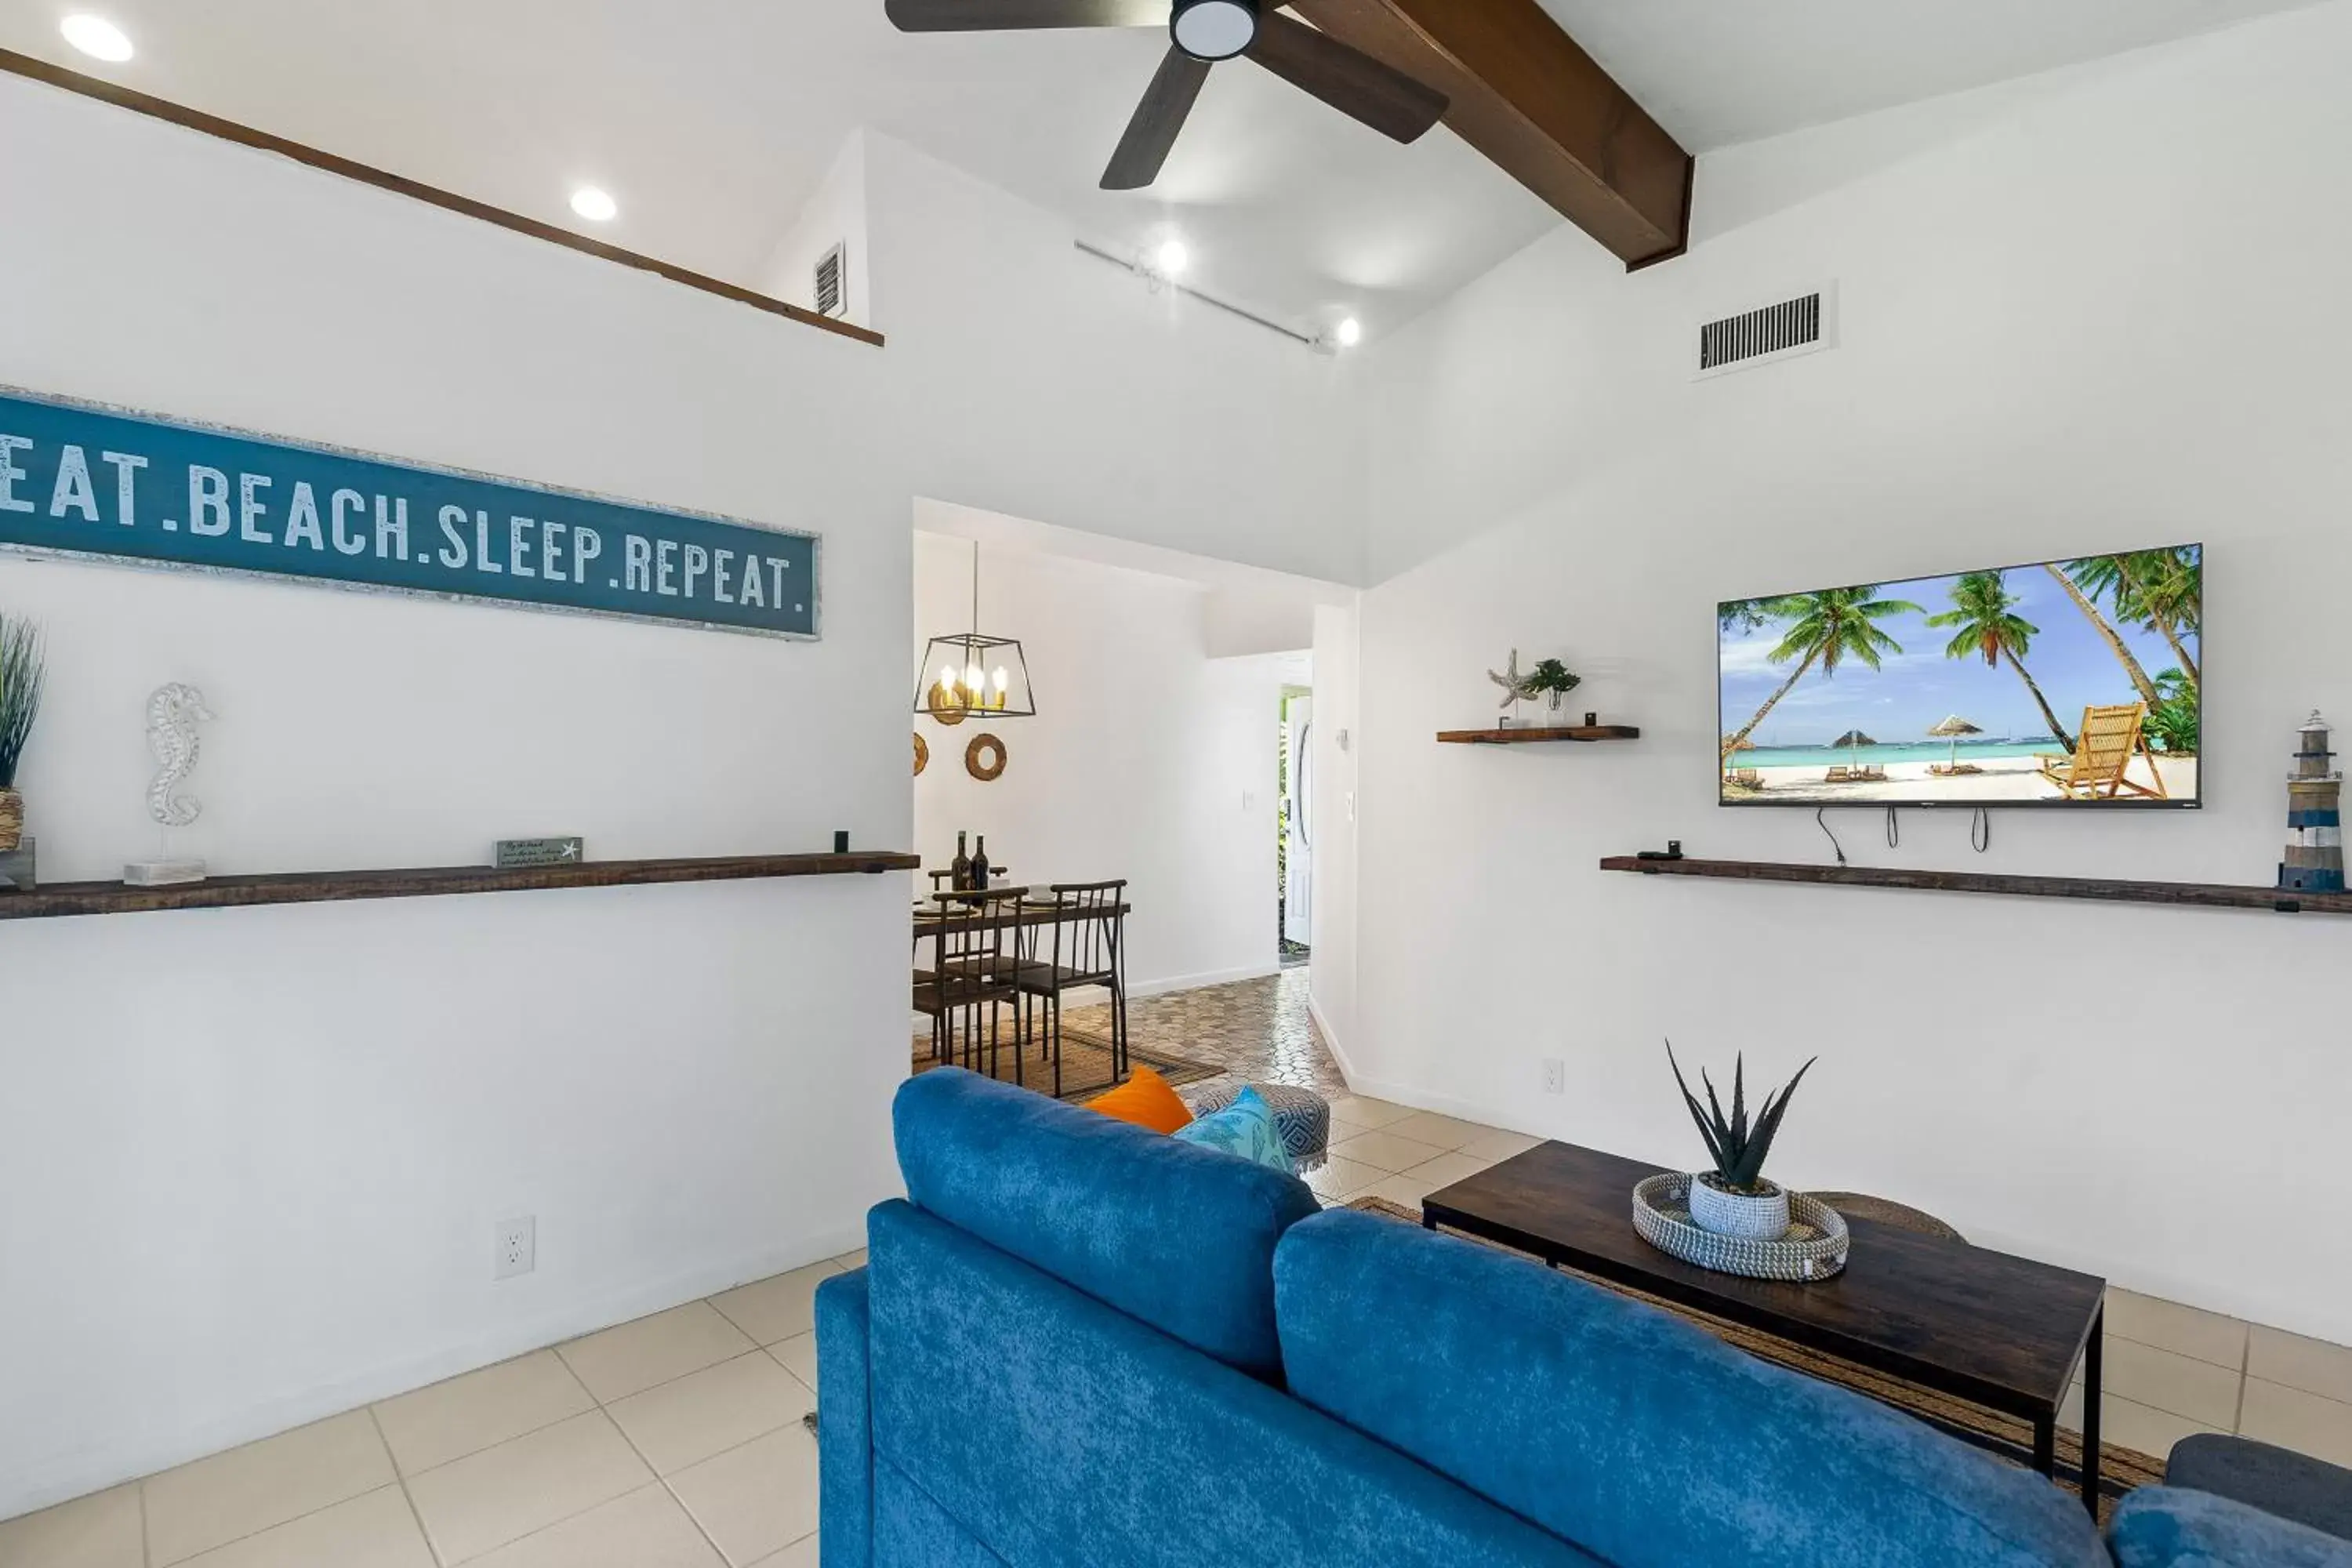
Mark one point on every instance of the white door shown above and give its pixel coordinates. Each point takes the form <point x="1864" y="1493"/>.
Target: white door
<point x="1298" y="824"/>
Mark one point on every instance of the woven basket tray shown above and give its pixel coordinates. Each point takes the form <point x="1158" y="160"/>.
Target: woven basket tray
<point x="1815" y="1247"/>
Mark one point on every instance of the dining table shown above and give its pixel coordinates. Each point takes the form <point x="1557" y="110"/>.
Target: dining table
<point x="1036" y="911"/>
<point x="1027" y="921"/>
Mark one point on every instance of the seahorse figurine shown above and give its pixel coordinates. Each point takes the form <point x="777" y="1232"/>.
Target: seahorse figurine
<point x="171" y="716"/>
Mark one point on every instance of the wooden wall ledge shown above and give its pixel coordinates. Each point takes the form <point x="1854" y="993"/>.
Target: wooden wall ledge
<point x="1531" y="735"/>
<point x="2197" y="895"/>
<point x="60" y="900"/>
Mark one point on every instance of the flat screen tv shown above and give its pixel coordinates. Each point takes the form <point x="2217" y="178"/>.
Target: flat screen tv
<point x="2069" y="683"/>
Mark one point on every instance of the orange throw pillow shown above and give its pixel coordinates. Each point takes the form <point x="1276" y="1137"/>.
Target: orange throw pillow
<point x="1145" y="1099"/>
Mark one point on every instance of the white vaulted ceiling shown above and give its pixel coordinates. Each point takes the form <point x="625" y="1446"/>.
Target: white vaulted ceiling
<point x="711" y="120"/>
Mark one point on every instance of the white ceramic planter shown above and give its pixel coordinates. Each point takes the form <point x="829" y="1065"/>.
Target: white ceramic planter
<point x="1763" y="1217"/>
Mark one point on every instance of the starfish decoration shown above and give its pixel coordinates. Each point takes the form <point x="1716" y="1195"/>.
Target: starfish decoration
<point x="1515" y="685"/>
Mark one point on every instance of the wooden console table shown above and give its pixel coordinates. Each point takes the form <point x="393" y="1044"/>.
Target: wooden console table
<point x="2003" y="1331"/>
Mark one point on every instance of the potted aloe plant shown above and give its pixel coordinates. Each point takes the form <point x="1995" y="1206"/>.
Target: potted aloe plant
<point x="1733" y="1199"/>
<point x="20" y="701"/>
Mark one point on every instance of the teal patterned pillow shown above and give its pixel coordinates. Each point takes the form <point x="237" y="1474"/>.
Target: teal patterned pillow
<point x="1244" y="1128"/>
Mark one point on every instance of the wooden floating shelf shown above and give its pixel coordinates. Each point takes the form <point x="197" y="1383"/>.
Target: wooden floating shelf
<point x="2198" y="895"/>
<point x="1530" y="734"/>
<point x="61" y="900"/>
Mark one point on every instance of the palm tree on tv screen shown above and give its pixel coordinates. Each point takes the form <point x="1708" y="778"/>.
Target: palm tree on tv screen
<point x="1984" y="611"/>
<point x="2162" y="590"/>
<point x="1826" y="629"/>
<point x="2083" y="582"/>
<point x="1747" y="615"/>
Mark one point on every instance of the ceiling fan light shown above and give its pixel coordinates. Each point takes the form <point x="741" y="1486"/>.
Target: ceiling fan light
<point x="1213" y="29"/>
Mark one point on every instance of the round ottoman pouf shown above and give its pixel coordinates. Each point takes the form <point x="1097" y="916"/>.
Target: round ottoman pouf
<point x="1302" y="1115"/>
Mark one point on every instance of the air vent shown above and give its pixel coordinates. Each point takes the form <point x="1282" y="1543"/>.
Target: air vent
<point x="1781" y="330"/>
<point x="832" y="299"/>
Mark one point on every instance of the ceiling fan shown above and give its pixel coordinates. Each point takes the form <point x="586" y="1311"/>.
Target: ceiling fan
<point x="1202" y="33"/>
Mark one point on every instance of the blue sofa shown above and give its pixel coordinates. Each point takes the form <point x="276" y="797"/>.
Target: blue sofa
<point x="1078" y="1343"/>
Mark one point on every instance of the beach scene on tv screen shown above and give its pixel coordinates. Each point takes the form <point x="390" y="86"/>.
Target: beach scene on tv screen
<point x="2069" y="681"/>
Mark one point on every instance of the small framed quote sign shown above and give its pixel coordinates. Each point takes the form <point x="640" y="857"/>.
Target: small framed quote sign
<point x="76" y="479"/>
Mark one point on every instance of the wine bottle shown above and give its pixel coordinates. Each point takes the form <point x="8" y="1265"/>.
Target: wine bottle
<point x="980" y="867"/>
<point x="961" y="878"/>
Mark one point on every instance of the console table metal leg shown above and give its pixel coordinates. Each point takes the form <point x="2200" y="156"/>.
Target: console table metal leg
<point x="2092" y="1355"/>
<point x="2045" y="1445"/>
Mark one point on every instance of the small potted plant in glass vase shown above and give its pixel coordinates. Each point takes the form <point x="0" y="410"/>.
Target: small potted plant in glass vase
<point x="1733" y="1199"/>
<point x="20" y="701"/>
<point x="1555" y="681"/>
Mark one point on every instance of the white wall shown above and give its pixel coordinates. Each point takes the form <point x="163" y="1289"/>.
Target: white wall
<point x="1331" y="976"/>
<point x="1032" y="379"/>
<point x="834" y="214"/>
<point x="2099" y="310"/>
<point x="1148" y="759"/>
<point x="254" y="1156"/>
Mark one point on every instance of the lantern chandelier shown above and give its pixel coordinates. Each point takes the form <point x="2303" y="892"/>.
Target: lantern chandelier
<point x="967" y="673"/>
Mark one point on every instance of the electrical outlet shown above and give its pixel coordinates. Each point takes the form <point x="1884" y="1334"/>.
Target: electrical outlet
<point x="1555" y="1076"/>
<point x="516" y="1248"/>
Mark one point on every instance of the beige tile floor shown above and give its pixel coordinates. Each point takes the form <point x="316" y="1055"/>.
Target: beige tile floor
<point x="675" y="1442"/>
<point x="672" y="1442"/>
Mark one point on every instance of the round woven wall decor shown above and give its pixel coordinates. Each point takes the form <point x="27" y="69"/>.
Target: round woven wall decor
<point x="989" y="746"/>
<point x="922" y="754"/>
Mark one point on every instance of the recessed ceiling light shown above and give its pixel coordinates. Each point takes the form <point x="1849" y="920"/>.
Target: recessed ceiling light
<point x="1173" y="258"/>
<point x="595" y="206"/>
<point x="97" y="37"/>
<point x="1351" y="332"/>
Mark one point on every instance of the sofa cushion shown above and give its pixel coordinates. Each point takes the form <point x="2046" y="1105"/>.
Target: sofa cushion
<point x="1061" y="1433"/>
<point x="1246" y="1130"/>
<point x="2262" y="1475"/>
<point x="2168" y="1527"/>
<point x="1180" y="1236"/>
<point x="1145" y="1099"/>
<point x="1630" y="1432"/>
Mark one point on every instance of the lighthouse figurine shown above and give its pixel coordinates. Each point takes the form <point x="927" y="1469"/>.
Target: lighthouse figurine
<point x="2315" y="849"/>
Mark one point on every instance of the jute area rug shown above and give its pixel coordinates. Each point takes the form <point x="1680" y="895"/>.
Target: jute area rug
<point x="1085" y="1063"/>
<point x="2007" y="1438"/>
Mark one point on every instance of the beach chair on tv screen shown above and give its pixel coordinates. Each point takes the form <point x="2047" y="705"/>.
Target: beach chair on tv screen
<point x="2097" y="769"/>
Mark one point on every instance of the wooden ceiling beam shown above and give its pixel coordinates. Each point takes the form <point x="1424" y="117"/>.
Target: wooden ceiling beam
<point x="1538" y="107"/>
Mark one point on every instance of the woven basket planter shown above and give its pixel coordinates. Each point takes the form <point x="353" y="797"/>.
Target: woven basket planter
<point x="1815" y="1247"/>
<point x="12" y="819"/>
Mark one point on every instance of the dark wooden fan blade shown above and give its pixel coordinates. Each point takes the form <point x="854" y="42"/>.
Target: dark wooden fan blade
<point x="1007" y="15"/>
<point x="1350" y="81"/>
<point x="1157" y="119"/>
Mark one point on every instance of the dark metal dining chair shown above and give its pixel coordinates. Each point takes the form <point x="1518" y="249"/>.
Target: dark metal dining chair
<point x="975" y="949"/>
<point x="1083" y="944"/>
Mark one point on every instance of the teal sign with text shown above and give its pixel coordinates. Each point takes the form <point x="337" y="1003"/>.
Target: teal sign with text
<point x="81" y="480"/>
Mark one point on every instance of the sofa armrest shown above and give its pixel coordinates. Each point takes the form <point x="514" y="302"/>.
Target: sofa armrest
<point x="2172" y="1527"/>
<point x="844" y="1422"/>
